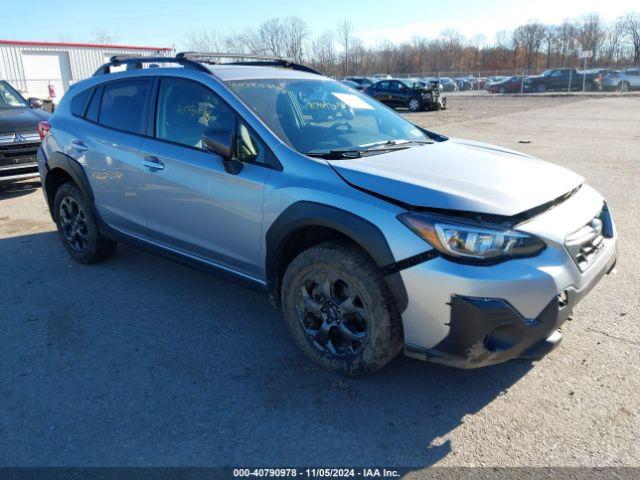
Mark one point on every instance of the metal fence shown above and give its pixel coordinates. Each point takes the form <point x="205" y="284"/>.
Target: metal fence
<point x="524" y="81"/>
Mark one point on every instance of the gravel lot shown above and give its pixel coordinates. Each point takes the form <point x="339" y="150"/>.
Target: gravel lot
<point x="140" y="361"/>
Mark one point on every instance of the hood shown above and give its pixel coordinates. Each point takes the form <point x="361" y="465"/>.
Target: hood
<point x="20" y="119"/>
<point x="460" y="175"/>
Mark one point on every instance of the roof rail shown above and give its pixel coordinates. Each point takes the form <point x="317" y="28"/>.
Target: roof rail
<point x="134" y="62"/>
<point x="244" y="59"/>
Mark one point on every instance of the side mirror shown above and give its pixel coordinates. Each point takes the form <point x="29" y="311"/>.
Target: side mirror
<point x="35" y="102"/>
<point x="221" y="141"/>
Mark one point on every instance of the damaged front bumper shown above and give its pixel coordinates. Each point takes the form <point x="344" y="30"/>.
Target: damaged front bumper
<point x="473" y="316"/>
<point x="488" y="331"/>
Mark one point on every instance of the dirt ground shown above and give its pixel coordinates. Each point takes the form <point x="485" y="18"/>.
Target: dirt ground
<point x="140" y="361"/>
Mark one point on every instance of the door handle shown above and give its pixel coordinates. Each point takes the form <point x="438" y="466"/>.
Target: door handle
<point x="152" y="163"/>
<point x="79" y="146"/>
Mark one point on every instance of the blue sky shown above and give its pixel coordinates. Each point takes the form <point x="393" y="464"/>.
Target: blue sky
<point x="166" y="23"/>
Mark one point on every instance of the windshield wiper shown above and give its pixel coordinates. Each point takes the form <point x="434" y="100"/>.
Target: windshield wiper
<point x="369" y="149"/>
<point x="337" y="154"/>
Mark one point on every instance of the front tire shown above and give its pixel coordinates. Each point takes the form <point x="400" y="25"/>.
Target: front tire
<point x="78" y="228"/>
<point x="414" y="105"/>
<point x="339" y="309"/>
<point x="623" y="87"/>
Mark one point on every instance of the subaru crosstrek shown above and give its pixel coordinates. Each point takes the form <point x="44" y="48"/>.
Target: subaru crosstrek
<point x="370" y="233"/>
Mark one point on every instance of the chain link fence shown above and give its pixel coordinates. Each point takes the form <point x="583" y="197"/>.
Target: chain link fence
<point x="567" y="80"/>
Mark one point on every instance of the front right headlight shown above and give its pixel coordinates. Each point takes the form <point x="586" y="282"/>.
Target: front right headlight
<point x="467" y="242"/>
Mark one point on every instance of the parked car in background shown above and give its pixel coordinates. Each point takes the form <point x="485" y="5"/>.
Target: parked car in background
<point x="349" y="83"/>
<point x="494" y="79"/>
<point x="463" y="84"/>
<point x="623" y="80"/>
<point x="380" y="76"/>
<point x="562" y="79"/>
<point x="598" y="76"/>
<point x="406" y="93"/>
<point x="448" y="84"/>
<point x="19" y="136"/>
<point x="363" y="81"/>
<point x="477" y="83"/>
<point x="515" y="84"/>
<point x="433" y="81"/>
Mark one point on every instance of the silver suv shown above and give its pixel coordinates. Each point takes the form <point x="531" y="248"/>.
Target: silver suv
<point x="370" y="233"/>
<point x="622" y="80"/>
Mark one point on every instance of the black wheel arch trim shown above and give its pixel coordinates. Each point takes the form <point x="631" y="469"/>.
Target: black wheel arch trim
<point x="311" y="214"/>
<point x="73" y="169"/>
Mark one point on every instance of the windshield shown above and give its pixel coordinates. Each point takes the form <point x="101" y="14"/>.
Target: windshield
<point x="10" y="98"/>
<point x="318" y="116"/>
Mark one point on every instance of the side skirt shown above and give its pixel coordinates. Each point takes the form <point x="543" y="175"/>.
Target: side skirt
<point x="198" y="263"/>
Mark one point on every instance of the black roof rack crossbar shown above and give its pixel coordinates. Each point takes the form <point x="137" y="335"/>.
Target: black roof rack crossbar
<point x="244" y="59"/>
<point x="134" y="62"/>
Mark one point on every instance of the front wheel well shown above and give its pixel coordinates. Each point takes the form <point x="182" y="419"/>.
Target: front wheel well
<point x="297" y="242"/>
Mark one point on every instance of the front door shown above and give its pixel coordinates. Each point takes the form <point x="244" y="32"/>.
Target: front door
<point x="192" y="204"/>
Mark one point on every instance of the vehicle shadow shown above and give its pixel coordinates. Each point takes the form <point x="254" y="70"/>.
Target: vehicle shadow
<point x="141" y="361"/>
<point x="13" y="190"/>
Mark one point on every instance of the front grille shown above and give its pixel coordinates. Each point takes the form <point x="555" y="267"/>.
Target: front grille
<point x="17" y="154"/>
<point x="19" y="137"/>
<point x="587" y="243"/>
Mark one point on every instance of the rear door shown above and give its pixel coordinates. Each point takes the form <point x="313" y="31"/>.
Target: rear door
<point x="108" y="146"/>
<point x="633" y="77"/>
<point x="192" y="204"/>
<point x="382" y="92"/>
<point x="399" y="94"/>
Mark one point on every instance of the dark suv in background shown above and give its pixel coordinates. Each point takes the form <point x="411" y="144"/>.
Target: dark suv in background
<point x="19" y="137"/>
<point x="410" y="94"/>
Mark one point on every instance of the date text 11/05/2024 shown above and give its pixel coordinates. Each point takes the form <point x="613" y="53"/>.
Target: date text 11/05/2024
<point x="317" y="472"/>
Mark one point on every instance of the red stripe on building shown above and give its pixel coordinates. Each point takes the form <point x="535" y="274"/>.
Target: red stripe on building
<point x="82" y="45"/>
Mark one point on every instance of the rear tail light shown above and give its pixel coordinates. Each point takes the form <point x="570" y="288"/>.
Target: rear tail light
<point x="43" y="128"/>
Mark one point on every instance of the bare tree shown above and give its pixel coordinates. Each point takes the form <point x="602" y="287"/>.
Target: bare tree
<point x="104" y="37"/>
<point x="529" y="38"/>
<point x="294" y="33"/>
<point x="203" y="41"/>
<point x="591" y="34"/>
<point x="323" y="53"/>
<point x="529" y="46"/>
<point x="271" y="34"/>
<point x="345" y="34"/>
<point x="631" y="23"/>
<point x="612" y="43"/>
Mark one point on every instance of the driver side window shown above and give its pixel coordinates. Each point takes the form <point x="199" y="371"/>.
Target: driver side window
<point x="186" y="109"/>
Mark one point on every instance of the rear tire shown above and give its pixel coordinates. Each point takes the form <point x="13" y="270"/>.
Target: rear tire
<point x="339" y="309"/>
<point x="541" y="88"/>
<point x="78" y="228"/>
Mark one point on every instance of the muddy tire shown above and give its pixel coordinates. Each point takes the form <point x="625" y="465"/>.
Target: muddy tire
<point x="78" y="228"/>
<point x="339" y="309"/>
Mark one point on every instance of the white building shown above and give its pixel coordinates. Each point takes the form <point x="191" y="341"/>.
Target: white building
<point x="45" y="70"/>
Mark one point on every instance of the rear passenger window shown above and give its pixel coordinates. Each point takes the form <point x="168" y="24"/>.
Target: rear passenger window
<point x="124" y="105"/>
<point x="79" y="102"/>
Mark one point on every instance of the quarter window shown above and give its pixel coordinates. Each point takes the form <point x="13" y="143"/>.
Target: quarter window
<point x="123" y="106"/>
<point x="79" y="102"/>
<point x="186" y="109"/>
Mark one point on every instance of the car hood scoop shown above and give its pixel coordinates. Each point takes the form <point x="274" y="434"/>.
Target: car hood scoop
<point x="460" y="175"/>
